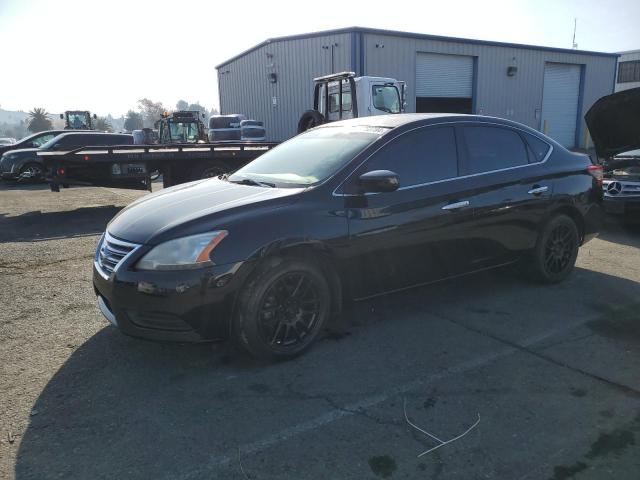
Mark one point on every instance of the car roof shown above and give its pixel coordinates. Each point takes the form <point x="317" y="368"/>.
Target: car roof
<point x="91" y="132"/>
<point x="397" y="120"/>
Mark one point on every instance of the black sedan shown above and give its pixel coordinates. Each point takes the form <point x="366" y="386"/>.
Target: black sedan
<point x="25" y="162"/>
<point x="351" y="210"/>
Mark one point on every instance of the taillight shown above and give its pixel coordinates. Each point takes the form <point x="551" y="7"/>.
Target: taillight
<point x="596" y="172"/>
<point x="85" y="158"/>
<point x="61" y="172"/>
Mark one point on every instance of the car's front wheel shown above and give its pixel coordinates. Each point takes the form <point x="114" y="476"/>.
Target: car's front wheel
<point x="282" y="309"/>
<point x="32" y="171"/>
<point x="556" y="250"/>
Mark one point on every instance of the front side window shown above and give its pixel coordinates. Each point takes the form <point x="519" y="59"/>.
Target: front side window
<point x="38" y="142"/>
<point x="493" y="148"/>
<point x="309" y="158"/>
<point x="386" y="98"/>
<point x="422" y="156"/>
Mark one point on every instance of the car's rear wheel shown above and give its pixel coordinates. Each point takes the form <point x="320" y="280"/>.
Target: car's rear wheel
<point x="556" y="250"/>
<point x="282" y="309"/>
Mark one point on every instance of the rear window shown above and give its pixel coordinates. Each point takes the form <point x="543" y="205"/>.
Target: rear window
<point x="493" y="148"/>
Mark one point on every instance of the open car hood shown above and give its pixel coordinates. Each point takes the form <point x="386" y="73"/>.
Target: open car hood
<point x="614" y="123"/>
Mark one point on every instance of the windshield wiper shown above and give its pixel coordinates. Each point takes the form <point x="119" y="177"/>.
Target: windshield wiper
<point x="250" y="181"/>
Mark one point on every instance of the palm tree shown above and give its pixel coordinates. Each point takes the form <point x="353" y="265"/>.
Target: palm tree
<point x="39" y="120"/>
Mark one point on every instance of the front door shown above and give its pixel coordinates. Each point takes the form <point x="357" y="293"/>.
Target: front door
<point x="419" y="232"/>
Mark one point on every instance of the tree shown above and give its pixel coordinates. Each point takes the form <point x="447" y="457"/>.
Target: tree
<point x="39" y="120"/>
<point x="151" y="111"/>
<point x="196" y="107"/>
<point x="133" y="121"/>
<point x="182" y="105"/>
<point x="103" y="124"/>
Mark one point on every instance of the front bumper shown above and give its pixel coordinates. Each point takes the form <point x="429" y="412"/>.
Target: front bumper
<point x="183" y="306"/>
<point x="621" y="205"/>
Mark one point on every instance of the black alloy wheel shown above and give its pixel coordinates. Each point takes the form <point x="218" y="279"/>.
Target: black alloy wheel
<point x="559" y="248"/>
<point x="289" y="310"/>
<point x="556" y="250"/>
<point x="282" y="309"/>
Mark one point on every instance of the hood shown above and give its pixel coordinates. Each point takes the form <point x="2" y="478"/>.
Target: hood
<point x="614" y="123"/>
<point x="191" y="208"/>
<point x="22" y="152"/>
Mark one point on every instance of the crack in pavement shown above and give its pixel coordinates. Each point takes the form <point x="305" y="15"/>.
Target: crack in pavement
<point x="626" y="389"/>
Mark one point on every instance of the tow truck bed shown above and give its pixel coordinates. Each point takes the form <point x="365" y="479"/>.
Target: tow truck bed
<point x="130" y="166"/>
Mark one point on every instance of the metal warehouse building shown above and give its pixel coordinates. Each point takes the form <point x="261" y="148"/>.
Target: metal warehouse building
<point x="549" y="89"/>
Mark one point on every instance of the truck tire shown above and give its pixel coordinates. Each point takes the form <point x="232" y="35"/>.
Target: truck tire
<point x="208" y="170"/>
<point x="310" y="119"/>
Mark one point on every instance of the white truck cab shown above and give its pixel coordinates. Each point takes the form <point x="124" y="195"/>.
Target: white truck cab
<point x="334" y="98"/>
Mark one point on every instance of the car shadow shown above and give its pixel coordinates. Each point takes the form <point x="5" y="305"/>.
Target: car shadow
<point x="123" y="407"/>
<point x="621" y="230"/>
<point x="37" y="225"/>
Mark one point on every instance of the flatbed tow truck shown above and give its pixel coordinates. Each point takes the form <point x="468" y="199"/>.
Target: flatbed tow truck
<point x="183" y="155"/>
<point x="130" y="166"/>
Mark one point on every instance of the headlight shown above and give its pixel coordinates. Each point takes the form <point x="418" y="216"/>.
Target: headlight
<point x="182" y="253"/>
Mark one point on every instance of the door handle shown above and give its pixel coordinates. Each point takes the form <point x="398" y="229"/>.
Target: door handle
<point x="536" y="190"/>
<point x="456" y="205"/>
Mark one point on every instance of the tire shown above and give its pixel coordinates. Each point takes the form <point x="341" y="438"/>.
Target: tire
<point x="208" y="170"/>
<point x="310" y="119"/>
<point x="282" y="309"/>
<point x="35" y="170"/>
<point x="555" y="252"/>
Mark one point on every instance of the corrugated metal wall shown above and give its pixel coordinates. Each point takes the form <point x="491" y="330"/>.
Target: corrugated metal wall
<point x="244" y="85"/>
<point x="517" y="98"/>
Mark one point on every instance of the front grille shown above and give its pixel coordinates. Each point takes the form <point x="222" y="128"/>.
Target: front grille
<point x="617" y="188"/>
<point x="111" y="251"/>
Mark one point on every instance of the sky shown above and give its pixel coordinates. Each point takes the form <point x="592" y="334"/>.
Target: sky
<point x="103" y="56"/>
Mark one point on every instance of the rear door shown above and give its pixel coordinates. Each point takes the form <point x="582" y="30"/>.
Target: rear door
<point x="417" y="233"/>
<point x="510" y="189"/>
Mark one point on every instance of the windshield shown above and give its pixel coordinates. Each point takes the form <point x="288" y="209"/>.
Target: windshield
<point x="386" y="98"/>
<point x="78" y="120"/>
<point x="184" y="132"/>
<point x="309" y="158"/>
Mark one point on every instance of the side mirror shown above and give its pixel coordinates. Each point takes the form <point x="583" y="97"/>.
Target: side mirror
<point x="95" y="116"/>
<point x="379" y="181"/>
<point x="61" y="116"/>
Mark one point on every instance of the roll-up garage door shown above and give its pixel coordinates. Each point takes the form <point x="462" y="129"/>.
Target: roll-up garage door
<point x="560" y="98"/>
<point x="444" y="83"/>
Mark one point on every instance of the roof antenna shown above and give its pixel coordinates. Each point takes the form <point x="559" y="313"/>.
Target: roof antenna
<point x="575" y="24"/>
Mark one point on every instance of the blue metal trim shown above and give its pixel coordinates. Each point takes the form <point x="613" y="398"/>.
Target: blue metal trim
<point x="583" y="69"/>
<point x="474" y="86"/>
<point x="422" y="36"/>
<point x="361" y="66"/>
<point x="354" y="67"/>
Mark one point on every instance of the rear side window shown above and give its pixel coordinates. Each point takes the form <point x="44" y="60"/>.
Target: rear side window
<point x="116" y="140"/>
<point x="72" y="141"/>
<point x="422" y="156"/>
<point x="493" y="148"/>
<point x="537" y="148"/>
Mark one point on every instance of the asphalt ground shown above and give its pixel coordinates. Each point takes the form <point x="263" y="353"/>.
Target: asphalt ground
<point x="552" y="372"/>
